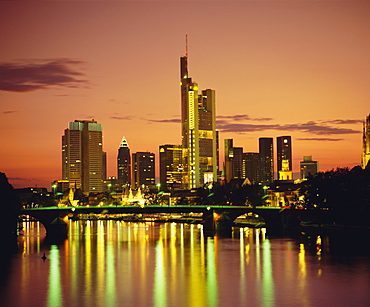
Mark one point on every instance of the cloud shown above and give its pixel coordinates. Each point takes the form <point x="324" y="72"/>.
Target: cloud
<point x="315" y="128"/>
<point x="122" y="117"/>
<point x="28" y="76"/>
<point x="344" y="121"/>
<point x="241" y="117"/>
<point x="308" y="127"/>
<point x="9" y="112"/>
<point x="173" y="120"/>
<point x="319" y="139"/>
<point x="18" y="178"/>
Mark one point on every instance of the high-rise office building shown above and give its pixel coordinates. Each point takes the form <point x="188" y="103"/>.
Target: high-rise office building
<point x="198" y="131"/>
<point x="308" y="167"/>
<point x="229" y="158"/>
<point x="266" y="151"/>
<point x="238" y="163"/>
<point x="82" y="155"/>
<point x="143" y="170"/>
<point x="284" y="158"/>
<point x="124" y="163"/>
<point x="171" y="167"/>
<point x="366" y="143"/>
<point x="251" y="166"/>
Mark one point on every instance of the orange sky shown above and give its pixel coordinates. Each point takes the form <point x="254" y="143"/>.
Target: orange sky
<point x="298" y="68"/>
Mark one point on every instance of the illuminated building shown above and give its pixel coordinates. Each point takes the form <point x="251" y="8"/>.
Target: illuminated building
<point x="366" y="143"/>
<point x="143" y="172"/>
<point x="171" y="167"/>
<point x="251" y="166"/>
<point x="82" y="155"/>
<point x="124" y="163"/>
<point x="266" y="151"/>
<point x="308" y="167"/>
<point x="284" y="158"/>
<point x="198" y="130"/>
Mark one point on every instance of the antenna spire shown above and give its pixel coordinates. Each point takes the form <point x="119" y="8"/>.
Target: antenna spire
<point x="186" y="52"/>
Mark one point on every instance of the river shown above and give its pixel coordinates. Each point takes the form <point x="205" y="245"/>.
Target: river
<point x="114" y="263"/>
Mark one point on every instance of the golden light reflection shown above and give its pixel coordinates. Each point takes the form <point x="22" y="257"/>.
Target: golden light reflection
<point x="318" y="246"/>
<point x="88" y="267"/>
<point x="268" y="279"/>
<point x="242" y="261"/>
<point x="159" y="291"/>
<point x="100" y="262"/>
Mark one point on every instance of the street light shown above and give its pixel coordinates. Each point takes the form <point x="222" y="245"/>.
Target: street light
<point x="54" y="186"/>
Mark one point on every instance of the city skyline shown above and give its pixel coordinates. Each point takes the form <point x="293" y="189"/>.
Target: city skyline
<point x="278" y="68"/>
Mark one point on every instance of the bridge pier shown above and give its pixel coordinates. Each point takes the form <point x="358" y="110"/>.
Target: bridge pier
<point x="208" y="223"/>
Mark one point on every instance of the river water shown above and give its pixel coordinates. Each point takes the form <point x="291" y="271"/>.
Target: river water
<point x="114" y="263"/>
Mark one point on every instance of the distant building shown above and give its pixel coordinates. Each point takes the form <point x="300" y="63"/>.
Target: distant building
<point x="124" y="163"/>
<point x="252" y="167"/>
<point x="198" y="130"/>
<point x="228" y="161"/>
<point x="266" y="151"/>
<point x="143" y="170"/>
<point x="171" y="167"/>
<point x="366" y="143"/>
<point x="238" y="163"/>
<point x="82" y="155"/>
<point x="308" y="167"/>
<point x="284" y="158"/>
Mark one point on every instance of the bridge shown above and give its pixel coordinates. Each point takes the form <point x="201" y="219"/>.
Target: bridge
<point x="214" y="218"/>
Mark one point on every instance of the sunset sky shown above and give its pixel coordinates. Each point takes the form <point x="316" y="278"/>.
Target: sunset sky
<point x="299" y="68"/>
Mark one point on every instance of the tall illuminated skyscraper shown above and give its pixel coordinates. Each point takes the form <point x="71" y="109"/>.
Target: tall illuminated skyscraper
<point x="198" y="131"/>
<point x="124" y="163"/>
<point x="284" y="157"/>
<point x="82" y="155"/>
<point x="266" y="151"/>
<point x="366" y="143"/>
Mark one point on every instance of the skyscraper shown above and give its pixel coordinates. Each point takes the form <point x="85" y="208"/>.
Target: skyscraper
<point x="238" y="163"/>
<point x="229" y="159"/>
<point x="198" y="130"/>
<point x="171" y="167"/>
<point x="308" y="167"/>
<point x="366" y="143"/>
<point x="284" y="158"/>
<point x="251" y="166"/>
<point x="143" y="170"/>
<point x="124" y="163"/>
<point x="82" y="155"/>
<point x="266" y="151"/>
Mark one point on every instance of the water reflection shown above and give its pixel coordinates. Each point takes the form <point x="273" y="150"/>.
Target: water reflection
<point x="113" y="263"/>
<point x="54" y="286"/>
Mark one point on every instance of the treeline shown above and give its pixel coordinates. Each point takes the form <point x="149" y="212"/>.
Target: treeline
<point x="343" y="191"/>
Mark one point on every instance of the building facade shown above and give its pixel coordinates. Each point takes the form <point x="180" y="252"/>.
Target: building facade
<point x="284" y="157"/>
<point x="124" y="163"/>
<point x="82" y="156"/>
<point x="171" y="169"/>
<point x="366" y="143"/>
<point x="143" y="170"/>
<point x="266" y="151"/>
<point x="252" y="167"/>
<point x="308" y="167"/>
<point x="198" y="131"/>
